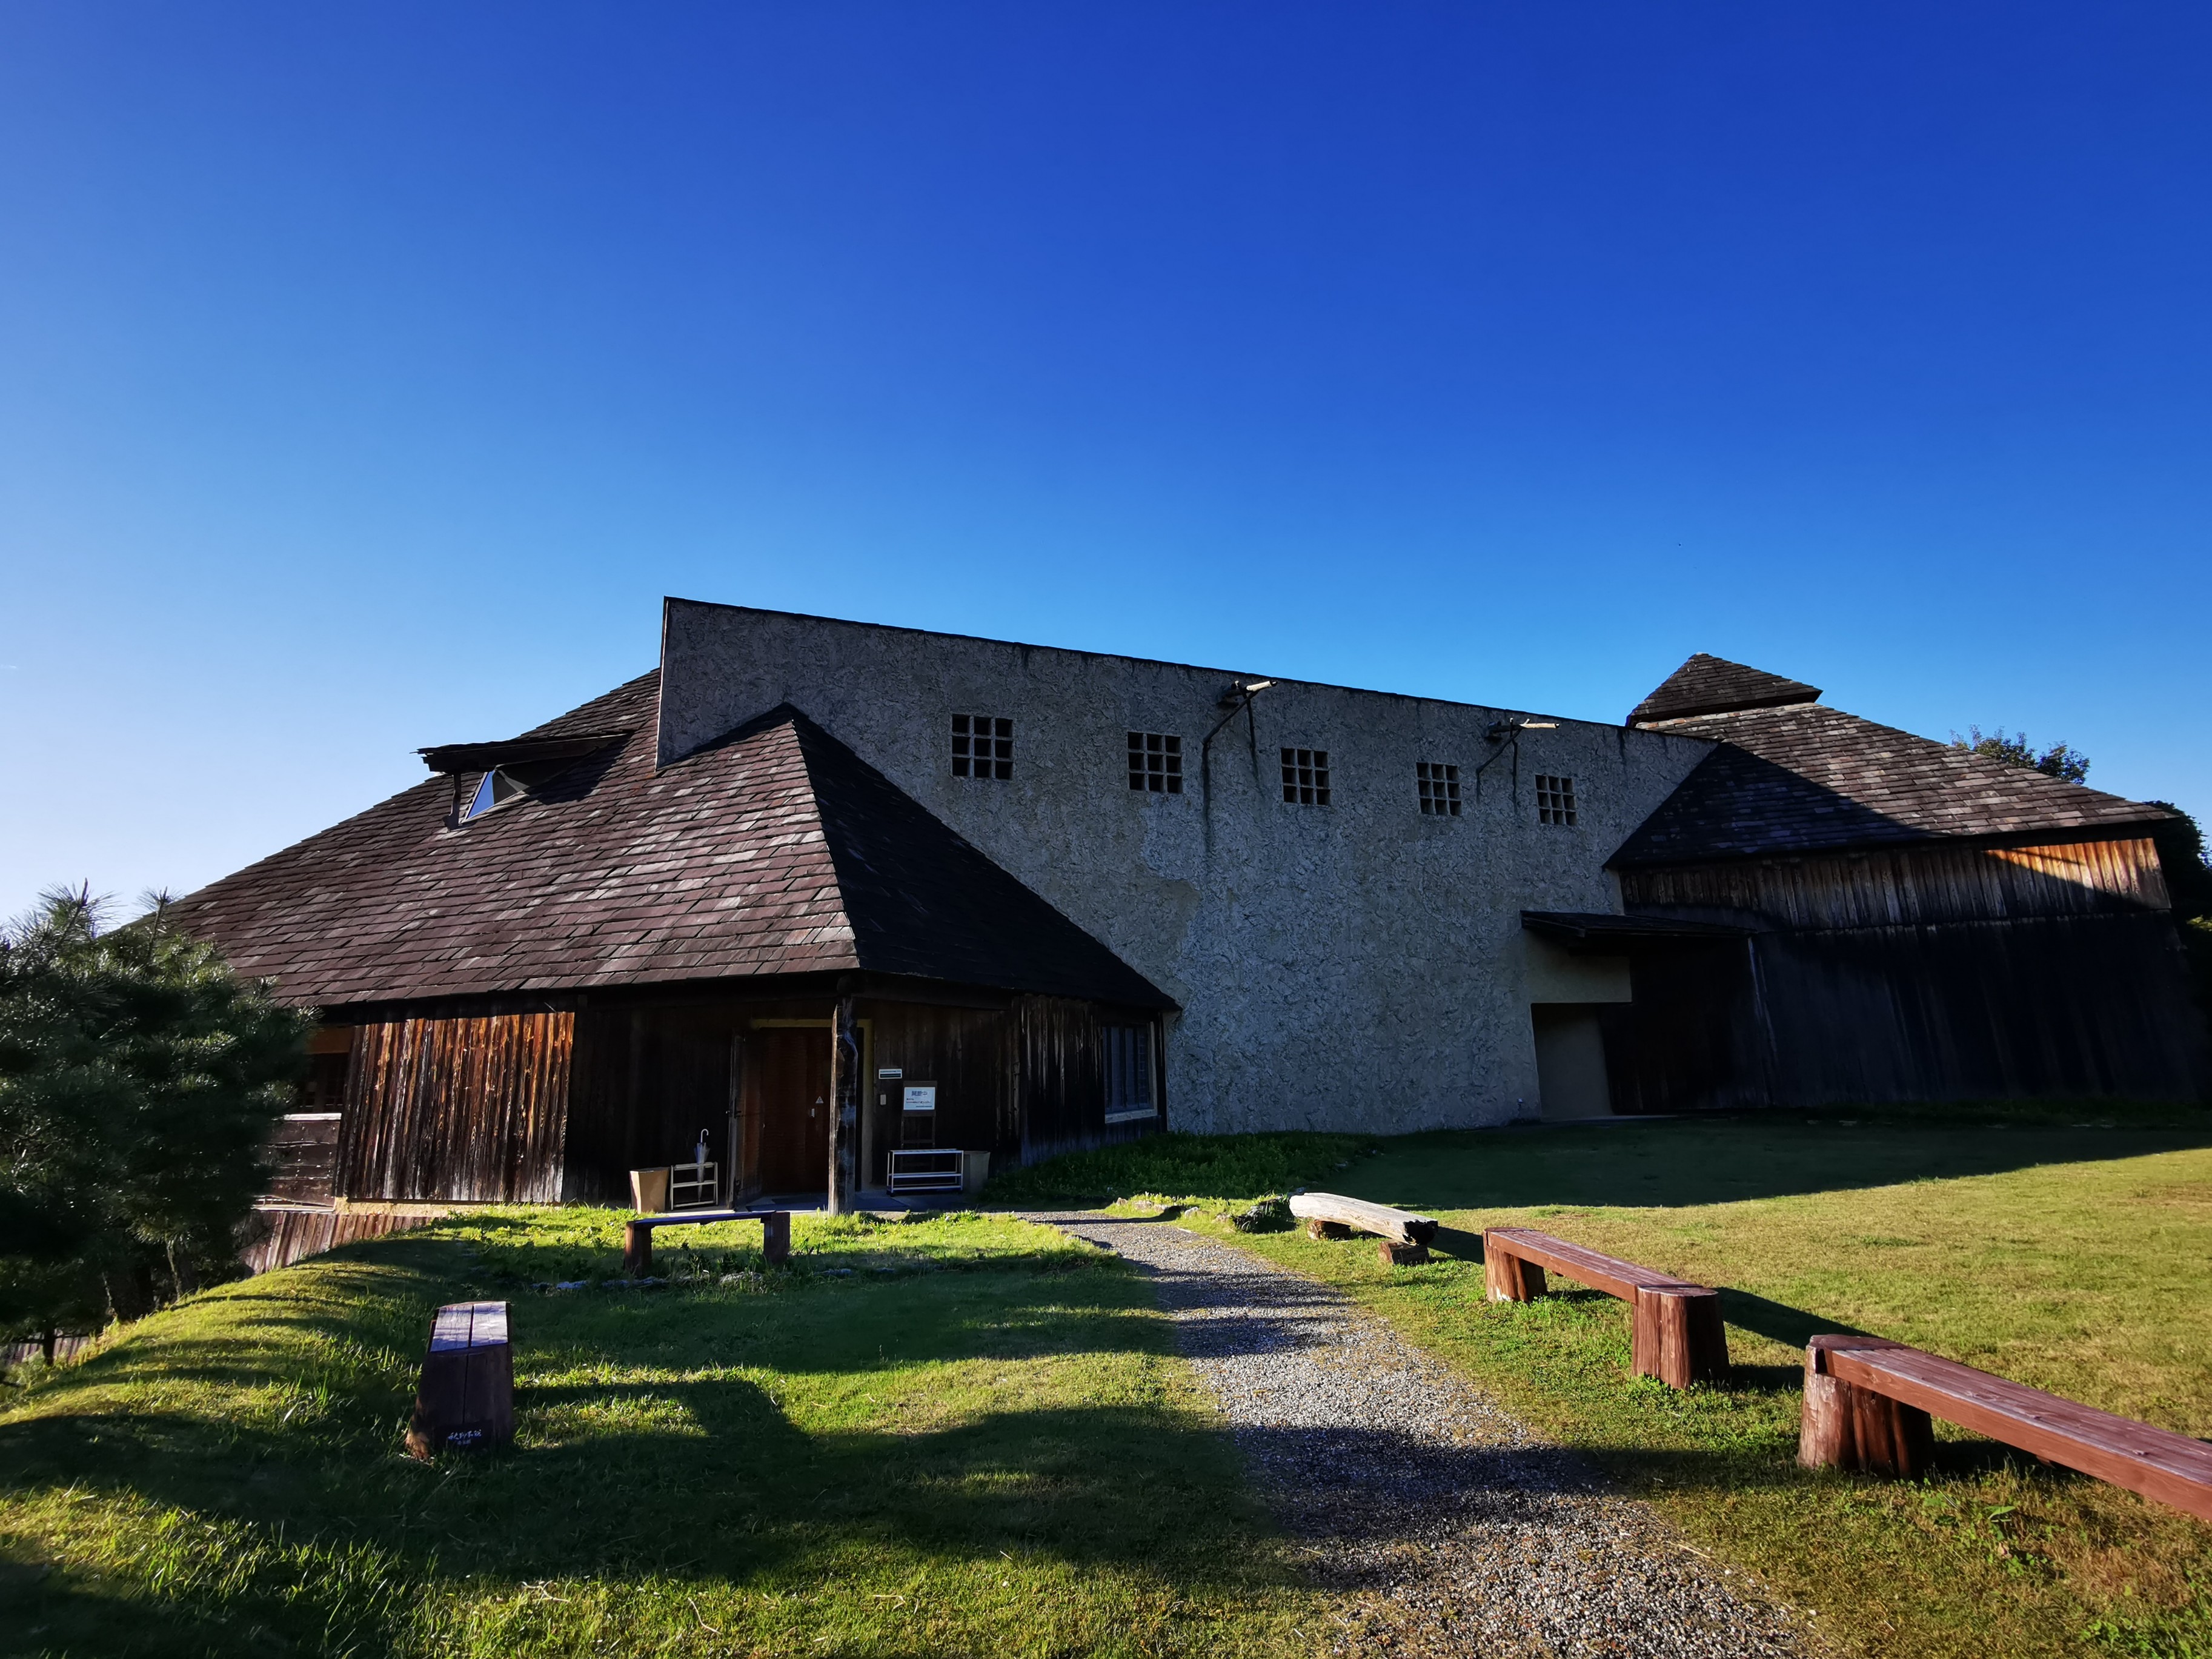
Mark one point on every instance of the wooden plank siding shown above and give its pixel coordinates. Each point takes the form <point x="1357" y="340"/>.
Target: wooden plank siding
<point x="1061" y="1081"/>
<point x="1893" y="886"/>
<point x="1927" y="973"/>
<point x="281" y="1236"/>
<point x="646" y="1079"/>
<point x="968" y="1053"/>
<point x="540" y="1106"/>
<point x="471" y="1108"/>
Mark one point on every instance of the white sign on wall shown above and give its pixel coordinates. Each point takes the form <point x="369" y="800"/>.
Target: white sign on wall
<point x="922" y="1097"/>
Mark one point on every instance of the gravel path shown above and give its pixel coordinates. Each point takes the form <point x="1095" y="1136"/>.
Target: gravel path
<point x="1452" y="1526"/>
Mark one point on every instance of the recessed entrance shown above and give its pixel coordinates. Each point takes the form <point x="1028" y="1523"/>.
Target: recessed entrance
<point x="793" y="1073"/>
<point x="1570" y="1078"/>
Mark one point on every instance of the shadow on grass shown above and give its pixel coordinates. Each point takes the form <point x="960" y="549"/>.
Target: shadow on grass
<point x="647" y="1444"/>
<point x="1780" y="1322"/>
<point x="1684" y="1161"/>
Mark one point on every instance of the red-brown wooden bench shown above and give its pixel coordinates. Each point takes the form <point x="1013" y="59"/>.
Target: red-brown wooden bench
<point x="1868" y="1404"/>
<point x="1676" y="1334"/>
<point x="637" y="1235"/>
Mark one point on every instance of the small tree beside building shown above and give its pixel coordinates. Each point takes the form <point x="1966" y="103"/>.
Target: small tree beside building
<point x="139" y="1080"/>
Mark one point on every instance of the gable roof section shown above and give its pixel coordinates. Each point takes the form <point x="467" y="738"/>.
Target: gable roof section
<point x="1714" y="685"/>
<point x="1811" y="778"/>
<point x="773" y="850"/>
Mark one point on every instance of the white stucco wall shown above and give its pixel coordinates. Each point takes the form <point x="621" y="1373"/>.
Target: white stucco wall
<point x="1359" y="966"/>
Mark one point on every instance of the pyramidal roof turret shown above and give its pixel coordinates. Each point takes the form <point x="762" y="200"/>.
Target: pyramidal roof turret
<point x="1714" y="685"/>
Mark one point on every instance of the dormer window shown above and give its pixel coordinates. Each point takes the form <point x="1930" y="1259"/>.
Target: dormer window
<point x="503" y="783"/>
<point x="505" y="770"/>
<point x="498" y="785"/>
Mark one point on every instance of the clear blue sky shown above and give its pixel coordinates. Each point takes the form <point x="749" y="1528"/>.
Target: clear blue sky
<point x="368" y="372"/>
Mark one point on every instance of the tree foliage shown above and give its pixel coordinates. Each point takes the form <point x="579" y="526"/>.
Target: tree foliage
<point x="2056" y="762"/>
<point x="2189" y="886"/>
<point x="139" y="1079"/>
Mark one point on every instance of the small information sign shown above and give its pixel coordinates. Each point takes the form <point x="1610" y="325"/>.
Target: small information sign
<point x="922" y="1097"/>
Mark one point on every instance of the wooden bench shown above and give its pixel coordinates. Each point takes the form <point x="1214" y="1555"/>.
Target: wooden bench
<point x="1405" y="1236"/>
<point x="637" y="1235"/>
<point x="1868" y="1404"/>
<point x="466" y="1398"/>
<point x="1676" y="1334"/>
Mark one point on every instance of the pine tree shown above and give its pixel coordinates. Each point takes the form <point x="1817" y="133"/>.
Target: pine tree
<point x="139" y="1079"/>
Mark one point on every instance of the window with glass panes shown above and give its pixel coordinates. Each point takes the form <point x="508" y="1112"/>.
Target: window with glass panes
<point x="1128" y="1073"/>
<point x="1156" y="763"/>
<point x="1555" y="800"/>
<point x="1437" y="786"/>
<point x="982" y="746"/>
<point x="1306" y="777"/>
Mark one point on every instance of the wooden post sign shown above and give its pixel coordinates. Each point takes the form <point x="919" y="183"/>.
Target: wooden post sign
<point x="467" y="1400"/>
<point x="844" y="1108"/>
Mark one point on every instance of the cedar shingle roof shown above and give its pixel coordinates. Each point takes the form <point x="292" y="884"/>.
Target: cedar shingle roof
<point x="1714" y="685"/>
<point x="1810" y="777"/>
<point x="774" y="850"/>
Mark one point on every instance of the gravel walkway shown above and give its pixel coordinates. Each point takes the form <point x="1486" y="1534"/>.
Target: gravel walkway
<point x="1452" y="1527"/>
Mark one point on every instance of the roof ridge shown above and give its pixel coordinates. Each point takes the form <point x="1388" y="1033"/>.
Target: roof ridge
<point x="1706" y="684"/>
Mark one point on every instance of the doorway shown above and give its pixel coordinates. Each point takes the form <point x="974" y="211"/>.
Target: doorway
<point x="794" y="1069"/>
<point x="1570" y="1076"/>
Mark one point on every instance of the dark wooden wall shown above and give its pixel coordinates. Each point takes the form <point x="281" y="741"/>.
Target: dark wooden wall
<point x="1062" y="1081"/>
<point x="1899" y="886"/>
<point x="1916" y="974"/>
<point x="968" y="1053"/>
<point x="472" y="1107"/>
<point x="648" y="1077"/>
<point x="547" y="1107"/>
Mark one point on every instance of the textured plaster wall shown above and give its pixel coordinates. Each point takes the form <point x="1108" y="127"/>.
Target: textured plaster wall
<point x="1357" y="966"/>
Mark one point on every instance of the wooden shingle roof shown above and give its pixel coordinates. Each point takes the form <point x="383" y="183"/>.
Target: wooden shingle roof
<point x="1713" y="685"/>
<point x="774" y="850"/>
<point x="1806" y="777"/>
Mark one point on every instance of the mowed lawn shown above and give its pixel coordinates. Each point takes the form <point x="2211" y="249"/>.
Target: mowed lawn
<point x="962" y="1436"/>
<point x="2075" y="1259"/>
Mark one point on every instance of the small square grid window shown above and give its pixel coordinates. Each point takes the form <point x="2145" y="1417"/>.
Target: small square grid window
<point x="1156" y="763"/>
<point x="1439" y="788"/>
<point x="1555" y="800"/>
<point x="982" y="746"/>
<point x="1306" y="777"/>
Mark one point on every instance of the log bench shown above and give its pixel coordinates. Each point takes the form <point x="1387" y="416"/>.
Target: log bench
<point x="1868" y="1403"/>
<point x="637" y="1235"/>
<point x="1676" y="1334"/>
<point x="466" y="1397"/>
<point x="1406" y="1237"/>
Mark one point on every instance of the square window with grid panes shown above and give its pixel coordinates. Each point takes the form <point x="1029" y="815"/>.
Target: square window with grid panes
<point x="982" y="746"/>
<point x="1555" y="800"/>
<point x="1437" y="785"/>
<point x="1306" y="777"/>
<point x="1156" y="763"/>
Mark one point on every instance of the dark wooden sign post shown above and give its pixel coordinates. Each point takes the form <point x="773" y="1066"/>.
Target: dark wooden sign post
<point x="467" y="1400"/>
<point x="844" y="1108"/>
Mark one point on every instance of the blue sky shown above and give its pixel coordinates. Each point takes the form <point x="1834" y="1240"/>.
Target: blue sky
<point x="367" y="374"/>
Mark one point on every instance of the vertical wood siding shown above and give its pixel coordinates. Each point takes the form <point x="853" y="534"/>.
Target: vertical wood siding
<point x="473" y="1108"/>
<point x="968" y="1052"/>
<point x="1062" y="1082"/>
<point x="1924" y="973"/>
<point x="646" y="1079"/>
<point x="285" y="1235"/>
<point x="1904" y="886"/>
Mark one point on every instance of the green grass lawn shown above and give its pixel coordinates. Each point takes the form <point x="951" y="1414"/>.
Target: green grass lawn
<point x="973" y="1439"/>
<point x="2072" y="1258"/>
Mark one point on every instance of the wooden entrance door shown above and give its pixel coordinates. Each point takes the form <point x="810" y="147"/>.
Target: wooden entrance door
<point x="794" y="1107"/>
